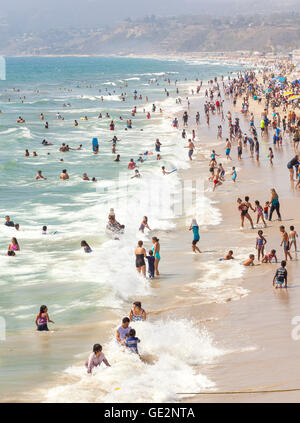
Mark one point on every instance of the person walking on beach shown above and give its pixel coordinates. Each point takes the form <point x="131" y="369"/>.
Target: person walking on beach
<point x="196" y="237"/>
<point x="293" y="237"/>
<point x="285" y="242"/>
<point x="280" y="276"/>
<point x="137" y="313"/>
<point x="96" y="358"/>
<point x="296" y="140"/>
<point x="291" y="164"/>
<point x="227" y="149"/>
<point x="271" y="156"/>
<point x="191" y="148"/>
<point x="256" y="147"/>
<point x="151" y="262"/>
<point x="156" y="253"/>
<point x="260" y="213"/>
<point x="240" y="149"/>
<point x="243" y="209"/>
<point x="140" y="254"/>
<point x="217" y="181"/>
<point x="42" y="319"/>
<point x="274" y="205"/>
<point x="233" y="174"/>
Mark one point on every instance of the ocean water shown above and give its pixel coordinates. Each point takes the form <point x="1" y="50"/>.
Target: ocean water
<point x="51" y="269"/>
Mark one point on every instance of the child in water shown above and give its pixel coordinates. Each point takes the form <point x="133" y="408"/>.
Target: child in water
<point x="260" y="244"/>
<point x="131" y="341"/>
<point x="249" y="261"/>
<point x="96" y="358"/>
<point x="267" y="258"/>
<point x="229" y="255"/>
<point x="86" y="247"/>
<point x="151" y="261"/>
<point x="42" y="319"/>
<point x="260" y="215"/>
<point x="234" y="174"/>
<point x="266" y="210"/>
<point x="292" y="237"/>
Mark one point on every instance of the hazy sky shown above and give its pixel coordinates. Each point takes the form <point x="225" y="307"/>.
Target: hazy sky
<point x="31" y="15"/>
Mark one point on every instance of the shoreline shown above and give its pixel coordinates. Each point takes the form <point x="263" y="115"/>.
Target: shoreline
<point x="222" y="318"/>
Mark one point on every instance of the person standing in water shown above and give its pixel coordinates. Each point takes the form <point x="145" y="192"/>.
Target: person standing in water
<point x="156" y="253"/>
<point x="144" y="224"/>
<point x="42" y="319"/>
<point x="195" y="228"/>
<point x="140" y="254"/>
<point x="191" y="148"/>
<point x="285" y="242"/>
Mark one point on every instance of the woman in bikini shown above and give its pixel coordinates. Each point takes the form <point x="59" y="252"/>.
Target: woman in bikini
<point x="243" y="209"/>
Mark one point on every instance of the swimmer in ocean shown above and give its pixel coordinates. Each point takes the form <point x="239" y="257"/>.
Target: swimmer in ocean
<point x="86" y="247"/>
<point x="136" y="174"/>
<point x="39" y="175"/>
<point x="64" y="175"/>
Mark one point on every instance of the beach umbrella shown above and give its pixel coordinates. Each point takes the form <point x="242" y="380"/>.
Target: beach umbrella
<point x="294" y="97"/>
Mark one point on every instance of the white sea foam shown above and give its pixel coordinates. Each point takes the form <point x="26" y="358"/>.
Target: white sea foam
<point x="171" y="347"/>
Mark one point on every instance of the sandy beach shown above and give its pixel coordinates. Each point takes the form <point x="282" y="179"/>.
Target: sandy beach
<point x="262" y="320"/>
<point x="246" y="317"/>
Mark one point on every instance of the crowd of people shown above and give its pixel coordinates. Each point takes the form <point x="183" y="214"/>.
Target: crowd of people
<point x="263" y="87"/>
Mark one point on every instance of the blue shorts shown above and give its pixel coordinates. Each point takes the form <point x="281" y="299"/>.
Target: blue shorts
<point x="227" y="151"/>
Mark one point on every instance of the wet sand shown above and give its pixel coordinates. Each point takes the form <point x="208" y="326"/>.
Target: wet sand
<point x="258" y="328"/>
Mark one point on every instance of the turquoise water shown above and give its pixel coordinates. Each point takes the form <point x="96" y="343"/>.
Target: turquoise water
<point x="52" y="269"/>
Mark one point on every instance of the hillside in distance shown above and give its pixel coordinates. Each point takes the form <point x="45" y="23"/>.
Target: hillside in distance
<point x="150" y="35"/>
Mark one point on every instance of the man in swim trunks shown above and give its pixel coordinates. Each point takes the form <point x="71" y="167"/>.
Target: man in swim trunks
<point x="191" y="148"/>
<point x="285" y="242"/>
<point x="227" y="149"/>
